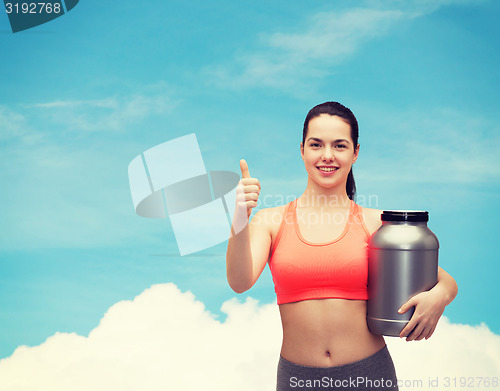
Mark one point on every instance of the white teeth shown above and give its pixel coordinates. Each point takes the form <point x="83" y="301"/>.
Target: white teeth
<point x="328" y="169"/>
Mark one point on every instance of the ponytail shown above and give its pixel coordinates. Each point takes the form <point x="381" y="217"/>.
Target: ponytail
<point x="350" y="186"/>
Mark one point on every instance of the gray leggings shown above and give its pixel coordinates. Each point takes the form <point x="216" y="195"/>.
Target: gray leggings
<point x="374" y="373"/>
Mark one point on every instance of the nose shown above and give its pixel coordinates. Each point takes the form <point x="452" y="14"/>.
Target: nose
<point x="327" y="155"/>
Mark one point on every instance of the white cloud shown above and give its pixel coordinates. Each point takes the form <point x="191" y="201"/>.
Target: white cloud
<point x="108" y="114"/>
<point x="167" y="340"/>
<point x="65" y="187"/>
<point x="441" y="145"/>
<point x="420" y="7"/>
<point x="333" y="35"/>
<point x="162" y="340"/>
<point x="285" y="60"/>
<point x="454" y="351"/>
<point x="328" y="37"/>
<point x="14" y="125"/>
<point x="106" y="103"/>
<point x="63" y="195"/>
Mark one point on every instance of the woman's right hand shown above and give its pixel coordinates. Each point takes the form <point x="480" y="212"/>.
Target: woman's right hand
<point x="250" y="188"/>
<point x="247" y="196"/>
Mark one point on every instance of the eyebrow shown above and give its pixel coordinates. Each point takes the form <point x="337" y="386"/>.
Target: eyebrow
<point x="339" y="140"/>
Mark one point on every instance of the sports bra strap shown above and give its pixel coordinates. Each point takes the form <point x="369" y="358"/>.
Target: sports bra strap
<point x="287" y="215"/>
<point x="359" y="218"/>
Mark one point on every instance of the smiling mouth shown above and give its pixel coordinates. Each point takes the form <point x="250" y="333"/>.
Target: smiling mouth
<point x="327" y="169"/>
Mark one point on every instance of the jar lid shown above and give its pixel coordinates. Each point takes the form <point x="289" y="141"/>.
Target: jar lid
<point x="405" y="215"/>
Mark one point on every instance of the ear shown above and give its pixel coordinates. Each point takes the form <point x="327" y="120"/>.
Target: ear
<point x="302" y="151"/>
<point x="356" y="152"/>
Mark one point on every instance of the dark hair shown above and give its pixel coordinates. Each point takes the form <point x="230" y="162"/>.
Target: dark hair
<point x="335" y="108"/>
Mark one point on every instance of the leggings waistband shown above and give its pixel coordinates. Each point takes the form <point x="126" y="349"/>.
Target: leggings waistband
<point x="375" y="372"/>
<point x="364" y="362"/>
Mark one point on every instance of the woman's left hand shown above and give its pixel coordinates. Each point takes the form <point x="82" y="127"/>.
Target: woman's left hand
<point x="429" y="306"/>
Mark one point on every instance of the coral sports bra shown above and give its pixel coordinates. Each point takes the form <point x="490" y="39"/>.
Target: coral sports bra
<point x="303" y="270"/>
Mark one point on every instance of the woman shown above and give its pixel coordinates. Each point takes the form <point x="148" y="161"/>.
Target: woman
<point x="316" y="249"/>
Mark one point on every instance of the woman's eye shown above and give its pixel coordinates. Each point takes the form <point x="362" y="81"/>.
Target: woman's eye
<point x="341" y="146"/>
<point x="314" y="145"/>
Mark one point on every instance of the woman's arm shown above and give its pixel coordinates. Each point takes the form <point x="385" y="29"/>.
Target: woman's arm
<point x="429" y="306"/>
<point x="247" y="253"/>
<point x="248" y="247"/>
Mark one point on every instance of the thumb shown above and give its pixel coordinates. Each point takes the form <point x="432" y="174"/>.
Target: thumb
<point x="244" y="169"/>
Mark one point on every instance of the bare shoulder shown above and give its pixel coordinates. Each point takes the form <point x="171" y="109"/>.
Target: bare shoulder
<point x="372" y="219"/>
<point x="270" y="218"/>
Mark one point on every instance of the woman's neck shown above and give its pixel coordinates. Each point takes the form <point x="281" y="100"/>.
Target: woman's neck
<point x="317" y="196"/>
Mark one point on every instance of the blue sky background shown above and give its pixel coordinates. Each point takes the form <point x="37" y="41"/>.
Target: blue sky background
<point x="81" y="96"/>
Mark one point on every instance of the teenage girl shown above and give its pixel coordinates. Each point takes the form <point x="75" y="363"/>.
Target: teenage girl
<point x="316" y="247"/>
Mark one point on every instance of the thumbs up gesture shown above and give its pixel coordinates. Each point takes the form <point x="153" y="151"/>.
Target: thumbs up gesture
<point x="247" y="195"/>
<point x="249" y="189"/>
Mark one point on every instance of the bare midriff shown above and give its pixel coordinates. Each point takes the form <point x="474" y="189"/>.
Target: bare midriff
<point x="327" y="332"/>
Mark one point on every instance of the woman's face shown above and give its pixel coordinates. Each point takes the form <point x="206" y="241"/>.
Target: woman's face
<point x="328" y="151"/>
